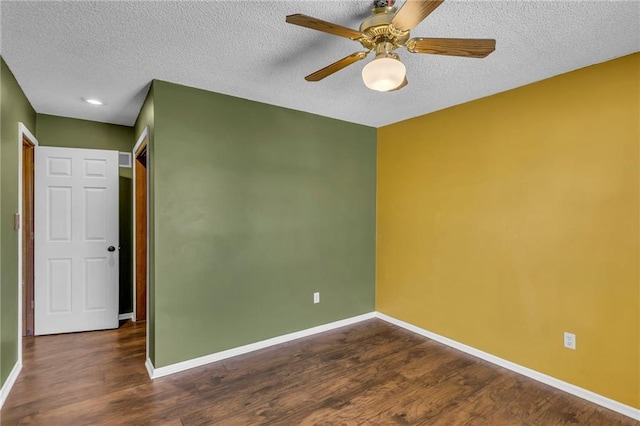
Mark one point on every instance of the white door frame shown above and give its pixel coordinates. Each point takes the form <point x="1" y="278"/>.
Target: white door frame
<point x="23" y="134"/>
<point x="144" y="135"/>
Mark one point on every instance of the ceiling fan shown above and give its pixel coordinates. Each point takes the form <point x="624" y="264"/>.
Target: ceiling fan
<point x="386" y="30"/>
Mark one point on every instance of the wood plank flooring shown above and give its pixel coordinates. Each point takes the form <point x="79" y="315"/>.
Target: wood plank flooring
<point x="370" y="373"/>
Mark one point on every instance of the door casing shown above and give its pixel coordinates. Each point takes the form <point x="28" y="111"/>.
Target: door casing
<point x="143" y="143"/>
<point x="27" y="236"/>
<point x="24" y="136"/>
<point x="140" y="217"/>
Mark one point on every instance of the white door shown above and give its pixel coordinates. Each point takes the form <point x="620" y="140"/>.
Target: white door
<point x="76" y="240"/>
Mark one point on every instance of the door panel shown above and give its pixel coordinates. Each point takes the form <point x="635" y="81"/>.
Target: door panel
<point x="59" y="213"/>
<point x="95" y="218"/>
<point x="76" y="209"/>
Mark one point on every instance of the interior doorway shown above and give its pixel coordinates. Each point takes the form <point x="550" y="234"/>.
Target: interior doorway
<point x="140" y="182"/>
<point x="27" y="214"/>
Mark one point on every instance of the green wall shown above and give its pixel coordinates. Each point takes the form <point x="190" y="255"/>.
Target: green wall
<point x="146" y="118"/>
<point x="73" y="133"/>
<point x="256" y="207"/>
<point x="14" y="108"/>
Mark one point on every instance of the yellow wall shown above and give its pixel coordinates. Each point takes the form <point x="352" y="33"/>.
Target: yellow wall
<point x="506" y="221"/>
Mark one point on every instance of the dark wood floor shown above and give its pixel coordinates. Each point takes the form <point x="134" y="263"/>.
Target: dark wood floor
<point x="369" y="373"/>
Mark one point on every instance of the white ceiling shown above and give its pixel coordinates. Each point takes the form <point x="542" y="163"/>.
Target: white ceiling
<point x="63" y="51"/>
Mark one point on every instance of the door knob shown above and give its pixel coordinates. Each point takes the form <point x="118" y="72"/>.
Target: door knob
<point x="111" y="248"/>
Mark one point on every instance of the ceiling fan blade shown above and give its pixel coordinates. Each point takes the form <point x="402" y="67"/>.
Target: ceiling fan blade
<point x="472" y="48"/>
<point x="324" y="26"/>
<point x="404" y="83"/>
<point x="336" y="66"/>
<point x="413" y="12"/>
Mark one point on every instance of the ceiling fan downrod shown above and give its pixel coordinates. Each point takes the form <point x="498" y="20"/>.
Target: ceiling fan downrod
<point x="383" y="4"/>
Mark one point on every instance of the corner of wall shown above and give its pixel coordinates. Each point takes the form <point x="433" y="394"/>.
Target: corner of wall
<point x="14" y="108"/>
<point x="146" y="118"/>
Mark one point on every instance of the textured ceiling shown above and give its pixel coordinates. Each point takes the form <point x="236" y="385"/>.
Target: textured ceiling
<point x="63" y="51"/>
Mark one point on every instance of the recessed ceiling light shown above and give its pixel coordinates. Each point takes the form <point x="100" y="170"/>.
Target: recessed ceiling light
<point x="93" y="101"/>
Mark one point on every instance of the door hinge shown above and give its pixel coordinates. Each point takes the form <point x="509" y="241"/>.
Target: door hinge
<point x="32" y="304"/>
<point x="31" y="235"/>
<point x="16" y="221"/>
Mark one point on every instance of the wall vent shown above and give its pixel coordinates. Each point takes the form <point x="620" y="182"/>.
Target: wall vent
<point x="124" y="159"/>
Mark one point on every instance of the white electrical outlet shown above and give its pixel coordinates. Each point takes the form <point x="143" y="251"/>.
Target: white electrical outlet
<point x="316" y="297"/>
<point x="569" y="340"/>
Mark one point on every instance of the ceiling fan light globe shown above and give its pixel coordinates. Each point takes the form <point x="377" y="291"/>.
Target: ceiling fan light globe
<point x="383" y="74"/>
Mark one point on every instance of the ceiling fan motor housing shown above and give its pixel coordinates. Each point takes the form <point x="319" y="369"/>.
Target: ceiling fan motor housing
<point x="377" y="29"/>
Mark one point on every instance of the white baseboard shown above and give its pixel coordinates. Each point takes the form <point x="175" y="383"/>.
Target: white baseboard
<point x="127" y="316"/>
<point x="155" y="373"/>
<point x="603" y="401"/>
<point x="11" y="380"/>
<point x="149" y="365"/>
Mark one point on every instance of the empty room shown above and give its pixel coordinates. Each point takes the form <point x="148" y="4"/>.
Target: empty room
<point x="418" y="212"/>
